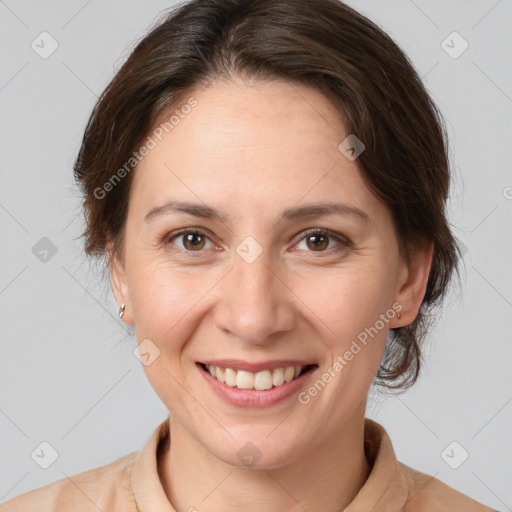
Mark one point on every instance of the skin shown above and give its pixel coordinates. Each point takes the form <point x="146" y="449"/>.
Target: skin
<point x="251" y="150"/>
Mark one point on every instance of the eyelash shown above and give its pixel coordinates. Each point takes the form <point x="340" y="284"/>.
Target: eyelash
<point x="343" y="242"/>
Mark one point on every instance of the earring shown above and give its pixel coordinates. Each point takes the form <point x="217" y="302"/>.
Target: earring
<point x="399" y="315"/>
<point x="121" y="311"/>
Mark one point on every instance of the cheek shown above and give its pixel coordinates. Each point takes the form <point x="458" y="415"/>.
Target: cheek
<point x="164" y="299"/>
<point x="167" y="310"/>
<point x="350" y="304"/>
<point x="346" y="300"/>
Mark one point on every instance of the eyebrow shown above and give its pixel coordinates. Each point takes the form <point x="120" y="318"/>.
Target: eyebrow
<point x="290" y="214"/>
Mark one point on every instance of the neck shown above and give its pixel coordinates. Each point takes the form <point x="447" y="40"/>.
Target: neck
<point x="326" y="478"/>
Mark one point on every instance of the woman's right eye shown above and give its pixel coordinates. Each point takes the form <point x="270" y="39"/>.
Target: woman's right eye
<point x="192" y="240"/>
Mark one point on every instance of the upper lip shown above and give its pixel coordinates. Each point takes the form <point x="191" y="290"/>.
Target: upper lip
<point x="239" y="364"/>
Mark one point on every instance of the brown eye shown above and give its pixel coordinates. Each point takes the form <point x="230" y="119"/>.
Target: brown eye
<point x="317" y="242"/>
<point x="192" y="240"/>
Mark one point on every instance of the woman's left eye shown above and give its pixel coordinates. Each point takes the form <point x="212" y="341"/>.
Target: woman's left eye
<point x="316" y="240"/>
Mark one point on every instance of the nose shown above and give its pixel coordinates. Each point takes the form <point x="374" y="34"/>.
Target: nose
<point x="256" y="305"/>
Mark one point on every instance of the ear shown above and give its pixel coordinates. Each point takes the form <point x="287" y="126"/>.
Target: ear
<point x="412" y="283"/>
<point x="119" y="284"/>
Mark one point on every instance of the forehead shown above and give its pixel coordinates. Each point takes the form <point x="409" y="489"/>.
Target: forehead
<point x="278" y="116"/>
<point x="249" y="145"/>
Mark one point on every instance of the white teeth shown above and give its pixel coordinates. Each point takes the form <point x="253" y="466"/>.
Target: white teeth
<point x="230" y="376"/>
<point x="263" y="380"/>
<point x="220" y="374"/>
<point x="260" y="381"/>
<point x="289" y="373"/>
<point x="278" y="377"/>
<point x="244" y="380"/>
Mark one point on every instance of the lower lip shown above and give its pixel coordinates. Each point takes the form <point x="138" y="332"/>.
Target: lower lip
<point x="253" y="397"/>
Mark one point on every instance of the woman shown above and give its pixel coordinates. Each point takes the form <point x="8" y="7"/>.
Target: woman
<point x="267" y="180"/>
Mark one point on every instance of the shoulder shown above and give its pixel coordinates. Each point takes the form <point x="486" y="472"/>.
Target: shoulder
<point x="426" y="493"/>
<point x="105" y="488"/>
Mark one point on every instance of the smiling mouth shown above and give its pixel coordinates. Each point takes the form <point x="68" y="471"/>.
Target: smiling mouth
<point x="259" y="381"/>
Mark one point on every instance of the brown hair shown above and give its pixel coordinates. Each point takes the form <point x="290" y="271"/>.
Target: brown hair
<point x="321" y="43"/>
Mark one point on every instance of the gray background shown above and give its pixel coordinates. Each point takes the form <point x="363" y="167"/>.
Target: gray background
<point x="68" y="373"/>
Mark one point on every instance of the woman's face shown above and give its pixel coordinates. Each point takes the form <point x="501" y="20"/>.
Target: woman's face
<point x="255" y="289"/>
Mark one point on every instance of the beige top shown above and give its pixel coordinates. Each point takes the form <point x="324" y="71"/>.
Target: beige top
<point x="132" y="484"/>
